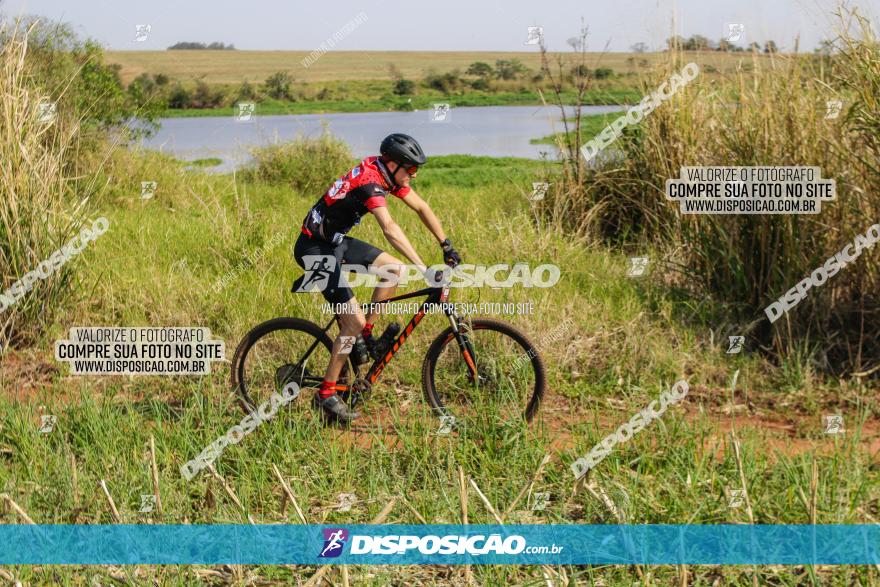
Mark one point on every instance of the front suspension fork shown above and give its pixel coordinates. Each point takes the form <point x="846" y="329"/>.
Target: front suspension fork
<point x="464" y="344"/>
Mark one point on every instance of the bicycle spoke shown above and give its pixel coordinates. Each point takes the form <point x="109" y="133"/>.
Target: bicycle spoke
<point x="504" y="384"/>
<point x="278" y="358"/>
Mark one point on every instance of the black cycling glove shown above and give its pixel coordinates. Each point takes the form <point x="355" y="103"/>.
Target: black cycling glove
<point x="450" y="255"/>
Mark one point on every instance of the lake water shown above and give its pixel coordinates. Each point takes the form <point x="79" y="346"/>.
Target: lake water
<point x="496" y="131"/>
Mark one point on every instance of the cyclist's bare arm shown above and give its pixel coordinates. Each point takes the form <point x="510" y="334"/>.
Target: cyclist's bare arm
<point x="395" y="235"/>
<point x="429" y="219"/>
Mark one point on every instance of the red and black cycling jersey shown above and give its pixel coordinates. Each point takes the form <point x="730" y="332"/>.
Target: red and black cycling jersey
<point x="350" y="197"/>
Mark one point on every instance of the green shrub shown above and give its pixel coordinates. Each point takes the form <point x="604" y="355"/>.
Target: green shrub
<point x="480" y="69"/>
<point x="278" y="85"/>
<point x="245" y="92"/>
<point x="581" y="70"/>
<point x="205" y="97"/>
<point x="404" y="87"/>
<point x="179" y="97"/>
<point x="510" y="69"/>
<point x="147" y="94"/>
<point x="447" y="83"/>
<point x="480" y="84"/>
<point x="307" y="165"/>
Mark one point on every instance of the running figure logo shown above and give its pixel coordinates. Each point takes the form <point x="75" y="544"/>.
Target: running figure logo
<point x="346" y="344"/>
<point x="334" y="540"/>
<point x="318" y="272"/>
<point x="735" y="344"/>
<point x="638" y="266"/>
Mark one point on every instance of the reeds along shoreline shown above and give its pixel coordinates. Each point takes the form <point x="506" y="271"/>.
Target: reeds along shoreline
<point x="771" y="113"/>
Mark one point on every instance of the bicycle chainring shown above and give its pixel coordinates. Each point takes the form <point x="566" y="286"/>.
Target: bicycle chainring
<point x="358" y="389"/>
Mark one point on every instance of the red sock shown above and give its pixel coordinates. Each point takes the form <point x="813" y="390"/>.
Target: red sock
<point x="327" y="389"/>
<point x="368" y="330"/>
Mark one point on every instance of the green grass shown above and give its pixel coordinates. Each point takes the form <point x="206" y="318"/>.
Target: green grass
<point x="418" y="102"/>
<point x="207" y="162"/>
<point x="626" y="343"/>
<point x="590" y="126"/>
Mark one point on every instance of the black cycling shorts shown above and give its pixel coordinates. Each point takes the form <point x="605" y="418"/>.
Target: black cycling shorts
<point x="323" y="265"/>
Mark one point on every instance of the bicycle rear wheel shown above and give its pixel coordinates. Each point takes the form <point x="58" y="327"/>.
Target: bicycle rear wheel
<point x="510" y="375"/>
<point x="279" y="352"/>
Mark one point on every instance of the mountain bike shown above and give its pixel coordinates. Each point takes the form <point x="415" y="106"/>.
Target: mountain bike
<point x="476" y="369"/>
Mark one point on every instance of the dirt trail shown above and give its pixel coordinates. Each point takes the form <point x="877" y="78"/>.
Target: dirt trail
<point x="24" y="374"/>
<point x="790" y="435"/>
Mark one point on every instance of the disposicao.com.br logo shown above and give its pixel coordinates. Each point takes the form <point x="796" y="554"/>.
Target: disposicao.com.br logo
<point x="451" y="544"/>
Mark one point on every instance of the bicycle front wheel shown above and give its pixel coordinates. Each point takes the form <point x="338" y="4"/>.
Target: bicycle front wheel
<point x="497" y="378"/>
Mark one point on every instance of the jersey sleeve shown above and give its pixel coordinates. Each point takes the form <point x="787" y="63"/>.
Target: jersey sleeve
<point x="375" y="197"/>
<point x="401" y="192"/>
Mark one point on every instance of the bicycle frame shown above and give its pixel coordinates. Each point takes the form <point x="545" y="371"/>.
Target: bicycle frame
<point x="434" y="295"/>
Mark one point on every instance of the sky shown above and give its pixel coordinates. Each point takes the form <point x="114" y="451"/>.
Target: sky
<point x="448" y="25"/>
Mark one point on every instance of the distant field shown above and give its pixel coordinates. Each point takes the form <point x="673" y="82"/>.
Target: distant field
<point x="233" y="66"/>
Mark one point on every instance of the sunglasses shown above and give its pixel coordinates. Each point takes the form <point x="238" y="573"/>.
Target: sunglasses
<point x="411" y="170"/>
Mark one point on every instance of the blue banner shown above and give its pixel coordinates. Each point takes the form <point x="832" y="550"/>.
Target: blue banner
<point x="440" y="544"/>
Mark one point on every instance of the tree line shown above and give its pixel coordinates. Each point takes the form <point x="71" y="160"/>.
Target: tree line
<point x="188" y="45"/>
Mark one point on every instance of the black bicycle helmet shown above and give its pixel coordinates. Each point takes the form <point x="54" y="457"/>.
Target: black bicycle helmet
<point x="402" y="149"/>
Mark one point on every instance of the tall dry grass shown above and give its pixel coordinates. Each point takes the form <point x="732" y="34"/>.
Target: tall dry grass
<point x="39" y="209"/>
<point x="771" y="112"/>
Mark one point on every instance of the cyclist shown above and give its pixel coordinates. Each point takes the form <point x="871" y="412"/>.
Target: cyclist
<point x="324" y="235"/>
